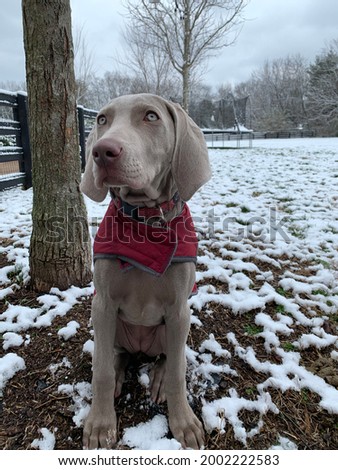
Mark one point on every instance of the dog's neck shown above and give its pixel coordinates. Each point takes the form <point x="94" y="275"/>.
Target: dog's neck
<point x="163" y="211"/>
<point x="161" y="189"/>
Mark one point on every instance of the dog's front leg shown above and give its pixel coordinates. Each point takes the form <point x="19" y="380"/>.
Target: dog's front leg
<point x="183" y="423"/>
<point x="100" y="425"/>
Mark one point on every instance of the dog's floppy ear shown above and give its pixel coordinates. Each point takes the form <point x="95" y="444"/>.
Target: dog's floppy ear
<point x="190" y="164"/>
<point x="87" y="185"/>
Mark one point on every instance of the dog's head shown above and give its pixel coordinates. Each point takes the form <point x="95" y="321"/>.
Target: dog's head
<point x="147" y="148"/>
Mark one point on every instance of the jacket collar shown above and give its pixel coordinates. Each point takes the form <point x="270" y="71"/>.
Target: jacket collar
<point x="150" y="215"/>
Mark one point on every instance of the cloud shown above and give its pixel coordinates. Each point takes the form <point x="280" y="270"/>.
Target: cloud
<point x="11" y="40"/>
<point x="274" y="29"/>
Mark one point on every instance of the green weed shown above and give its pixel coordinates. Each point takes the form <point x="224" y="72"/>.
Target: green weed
<point x="253" y="330"/>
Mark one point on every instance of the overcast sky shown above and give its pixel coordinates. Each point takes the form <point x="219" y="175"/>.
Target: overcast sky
<point x="274" y="29"/>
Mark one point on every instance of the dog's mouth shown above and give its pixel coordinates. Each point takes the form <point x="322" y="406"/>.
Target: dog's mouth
<point x="130" y="186"/>
<point x="119" y="179"/>
<point x="129" y="189"/>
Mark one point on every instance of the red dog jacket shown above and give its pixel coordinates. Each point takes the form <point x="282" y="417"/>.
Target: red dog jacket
<point x="147" y="247"/>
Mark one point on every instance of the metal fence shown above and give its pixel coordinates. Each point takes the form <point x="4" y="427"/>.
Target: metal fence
<point x="222" y="138"/>
<point x="15" y="150"/>
<point x="15" y="156"/>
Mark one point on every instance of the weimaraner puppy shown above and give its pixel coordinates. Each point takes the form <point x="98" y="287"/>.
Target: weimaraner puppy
<point x="152" y="158"/>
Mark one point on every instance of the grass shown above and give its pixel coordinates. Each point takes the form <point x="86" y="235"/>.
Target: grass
<point x="297" y="231"/>
<point x="16" y="275"/>
<point x="289" y="347"/>
<point x="320" y="292"/>
<point x="253" y="330"/>
<point x="284" y="293"/>
<point x="280" y="309"/>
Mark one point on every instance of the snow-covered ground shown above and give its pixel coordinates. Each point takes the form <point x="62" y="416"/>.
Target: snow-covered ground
<point x="267" y="210"/>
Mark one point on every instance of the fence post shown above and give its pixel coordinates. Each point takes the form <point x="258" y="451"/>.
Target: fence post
<point x="82" y="135"/>
<point x="22" y="115"/>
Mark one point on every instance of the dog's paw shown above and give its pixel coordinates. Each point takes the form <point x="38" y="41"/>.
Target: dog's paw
<point x="187" y="429"/>
<point x="100" y="431"/>
<point x="157" y="385"/>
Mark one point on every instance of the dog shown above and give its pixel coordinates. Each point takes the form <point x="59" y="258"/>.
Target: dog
<point x="150" y="155"/>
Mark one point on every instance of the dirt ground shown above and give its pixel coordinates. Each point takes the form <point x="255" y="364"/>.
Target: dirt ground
<point x="31" y="399"/>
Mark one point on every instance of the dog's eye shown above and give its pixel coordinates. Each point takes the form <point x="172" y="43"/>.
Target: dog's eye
<point x="151" y="116"/>
<point x="101" y="120"/>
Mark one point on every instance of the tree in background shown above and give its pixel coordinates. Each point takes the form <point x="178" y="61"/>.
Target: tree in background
<point x="151" y="69"/>
<point x="187" y="32"/>
<point x="278" y="94"/>
<point x="83" y="64"/>
<point x="323" y="90"/>
<point x="60" y="248"/>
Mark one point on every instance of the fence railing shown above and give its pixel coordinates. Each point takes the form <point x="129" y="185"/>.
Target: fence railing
<point x="15" y="153"/>
<point x="220" y="138"/>
<point x="85" y="119"/>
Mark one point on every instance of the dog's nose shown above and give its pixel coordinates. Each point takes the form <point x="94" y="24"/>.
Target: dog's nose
<point x="105" y="151"/>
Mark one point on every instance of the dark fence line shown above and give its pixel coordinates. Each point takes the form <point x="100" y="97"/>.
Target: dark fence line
<point x="284" y="134"/>
<point x="219" y="137"/>
<point x="15" y="153"/>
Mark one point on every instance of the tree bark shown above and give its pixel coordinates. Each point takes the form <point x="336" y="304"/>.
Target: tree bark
<point x="186" y="58"/>
<point x="60" y="248"/>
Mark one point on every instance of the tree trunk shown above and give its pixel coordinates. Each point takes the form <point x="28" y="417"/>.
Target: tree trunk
<point x="186" y="88"/>
<point x="186" y="58"/>
<point x="60" y="248"/>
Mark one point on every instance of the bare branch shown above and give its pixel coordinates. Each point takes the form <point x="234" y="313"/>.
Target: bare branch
<point x="188" y="31"/>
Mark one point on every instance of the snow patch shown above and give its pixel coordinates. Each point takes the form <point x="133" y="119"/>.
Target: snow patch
<point x="81" y="395"/>
<point x="150" y="436"/>
<point x="69" y="331"/>
<point x="10" y="364"/>
<point x="218" y="413"/>
<point x="47" y="442"/>
<point x="12" y="340"/>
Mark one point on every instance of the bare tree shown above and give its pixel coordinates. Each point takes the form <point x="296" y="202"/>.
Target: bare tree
<point x="83" y="64"/>
<point x="60" y="248"/>
<point x="322" y="94"/>
<point x="188" y="31"/>
<point x="149" y="65"/>
<point x="277" y="94"/>
<point x="104" y="89"/>
<point x="10" y="85"/>
<point x="13" y="86"/>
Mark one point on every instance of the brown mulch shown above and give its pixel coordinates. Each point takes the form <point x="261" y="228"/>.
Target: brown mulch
<point x="31" y="400"/>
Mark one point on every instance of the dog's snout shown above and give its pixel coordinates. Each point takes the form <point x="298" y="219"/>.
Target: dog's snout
<point x="105" y="150"/>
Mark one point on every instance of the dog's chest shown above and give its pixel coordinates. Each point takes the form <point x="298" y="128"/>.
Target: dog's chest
<point x="149" y="340"/>
<point x="138" y="313"/>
